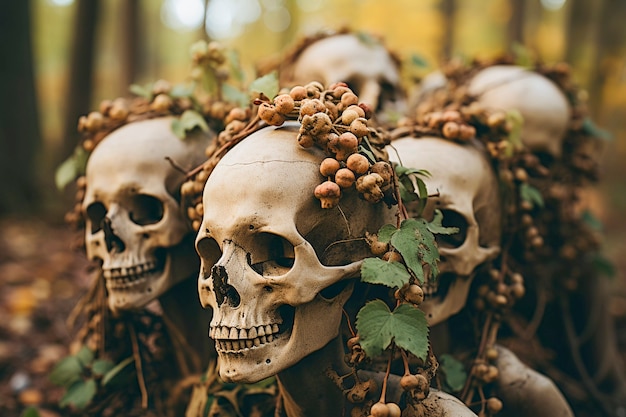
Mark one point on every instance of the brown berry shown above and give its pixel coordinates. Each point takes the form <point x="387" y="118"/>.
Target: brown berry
<point x="345" y="178"/>
<point x="284" y="103"/>
<point x="494" y="405"/>
<point x="305" y="140"/>
<point x="348" y="99"/>
<point x="394" y="410"/>
<point x="329" y="167"/>
<point x="414" y="294"/>
<point x="236" y="113"/>
<point x="298" y="93"/>
<point x="269" y="115"/>
<point x="328" y="193"/>
<point x="348" y="116"/>
<point x="379" y="410"/>
<point x="450" y="130"/>
<point x="384" y="170"/>
<point x="392" y="256"/>
<point x="311" y="107"/>
<point x="357" y="163"/>
<point x="359" y="127"/>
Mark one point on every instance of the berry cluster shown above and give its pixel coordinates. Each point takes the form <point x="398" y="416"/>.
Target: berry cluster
<point x="336" y="122"/>
<point x="500" y="292"/>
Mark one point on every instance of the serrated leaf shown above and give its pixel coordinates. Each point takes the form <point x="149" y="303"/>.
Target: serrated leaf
<point x="386" y="232"/>
<point x="141" y="91"/>
<point x="267" y="84"/>
<point x="85" y="356"/>
<point x="182" y="90"/>
<point x="30" y="412"/>
<point x="377" y="327"/>
<point x="436" y="226"/>
<point x="117" y="373"/>
<point x="233" y="95"/>
<point x="377" y="271"/>
<point x="80" y="394"/>
<point x="454" y="371"/>
<point x="417" y="246"/>
<point x="101" y="366"/>
<point x="66" y="371"/>
<point x="71" y="168"/>
<point x="531" y="194"/>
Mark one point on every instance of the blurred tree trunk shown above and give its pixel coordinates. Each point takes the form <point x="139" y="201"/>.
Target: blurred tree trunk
<point x="130" y="46"/>
<point x="19" y="127"/>
<point x="516" y="23"/>
<point x="610" y="47"/>
<point x="448" y="12"/>
<point x="578" y="30"/>
<point x="81" y="71"/>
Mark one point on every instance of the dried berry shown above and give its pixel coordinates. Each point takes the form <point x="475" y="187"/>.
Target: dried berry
<point x="358" y="163"/>
<point x="329" y="167"/>
<point x="328" y="193"/>
<point x="284" y="103"/>
<point x="345" y="178"/>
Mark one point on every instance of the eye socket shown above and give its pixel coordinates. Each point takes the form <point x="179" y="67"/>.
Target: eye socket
<point x="452" y="218"/>
<point x="145" y="209"/>
<point x="95" y="213"/>
<point x="273" y="254"/>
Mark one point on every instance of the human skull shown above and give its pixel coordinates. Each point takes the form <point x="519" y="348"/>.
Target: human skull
<point x="275" y="266"/>
<point x="543" y="106"/>
<point x="134" y="222"/>
<point x="464" y="188"/>
<point x="362" y="62"/>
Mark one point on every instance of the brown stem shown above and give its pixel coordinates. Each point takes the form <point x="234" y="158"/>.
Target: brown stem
<point x="383" y="391"/>
<point x="138" y="365"/>
<point x="345" y="313"/>
<point x="405" y="361"/>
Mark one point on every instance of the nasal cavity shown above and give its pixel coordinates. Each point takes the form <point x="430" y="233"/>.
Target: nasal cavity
<point x="113" y="242"/>
<point x="224" y="292"/>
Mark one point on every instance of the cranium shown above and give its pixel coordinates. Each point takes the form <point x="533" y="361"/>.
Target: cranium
<point x="134" y="223"/>
<point x="464" y="187"/>
<point x="274" y="264"/>
<point x="542" y="104"/>
<point x="362" y="62"/>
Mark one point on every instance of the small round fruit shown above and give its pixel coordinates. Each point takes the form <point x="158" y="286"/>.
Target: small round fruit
<point x="305" y="140"/>
<point x="494" y="405"/>
<point x="379" y="410"/>
<point x="384" y="170"/>
<point x="345" y="178"/>
<point x="298" y="93"/>
<point x="353" y="341"/>
<point x="311" y="107"/>
<point x="328" y="193"/>
<point x="359" y="127"/>
<point x="491" y="354"/>
<point x="358" y="163"/>
<point x="450" y="130"/>
<point x="414" y="294"/>
<point x="358" y="109"/>
<point x="236" y="113"/>
<point x="378" y="248"/>
<point x="329" y="167"/>
<point x="269" y="115"/>
<point x="348" y="99"/>
<point x="394" y="410"/>
<point x="284" y="103"/>
<point x="392" y="256"/>
<point x="348" y="116"/>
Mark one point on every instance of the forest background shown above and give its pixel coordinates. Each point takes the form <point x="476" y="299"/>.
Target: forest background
<point x="60" y="58"/>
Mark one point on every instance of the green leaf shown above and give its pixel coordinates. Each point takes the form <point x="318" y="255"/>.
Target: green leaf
<point x="454" y="371"/>
<point x="267" y="84"/>
<point x="386" y="232"/>
<point x="30" y="412"/>
<point x="236" y="72"/>
<point x="233" y="95"/>
<point x="531" y="194"/>
<point x="604" y="266"/>
<point x="516" y="120"/>
<point x="192" y="119"/>
<point x="367" y="153"/>
<point x="590" y="128"/>
<point x="142" y="91"/>
<point x="118" y="373"/>
<point x="419" y="61"/>
<point x="71" y="168"/>
<point x="592" y="221"/>
<point x="407" y="189"/>
<point x="377" y="271"/>
<point x="85" y="356"/>
<point x="101" y="366"/>
<point x="66" y="371"/>
<point x="417" y="246"/>
<point x="182" y="90"/>
<point x="378" y="327"/>
<point x="79" y="394"/>
<point x="436" y="226"/>
<point x="178" y="129"/>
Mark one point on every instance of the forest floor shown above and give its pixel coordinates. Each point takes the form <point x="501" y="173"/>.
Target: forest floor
<point x="42" y="278"/>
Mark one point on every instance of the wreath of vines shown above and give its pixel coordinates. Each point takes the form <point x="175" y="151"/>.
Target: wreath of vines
<point x="540" y="197"/>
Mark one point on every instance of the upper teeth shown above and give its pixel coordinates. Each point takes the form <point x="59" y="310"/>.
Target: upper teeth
<point x="121" y="277"/>
<point x="234" y="339"/>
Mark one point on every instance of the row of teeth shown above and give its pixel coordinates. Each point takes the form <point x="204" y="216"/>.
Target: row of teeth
<point x="233" y="339"/>
<point x="120" y="277"/>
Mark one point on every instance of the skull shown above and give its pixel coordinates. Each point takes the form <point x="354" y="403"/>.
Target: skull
<point x="362" y="62"/>
<point x="134" y="223"/>
<point x="274" y="264"/>
<point x="465" y="190"/>
<point x="542" y="104"/>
